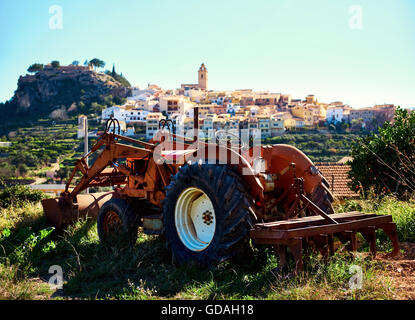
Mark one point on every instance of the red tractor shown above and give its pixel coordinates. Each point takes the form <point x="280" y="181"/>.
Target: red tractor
<point x="209" y="198"/>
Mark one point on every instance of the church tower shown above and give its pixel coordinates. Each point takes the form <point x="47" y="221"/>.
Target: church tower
<point x="203" y="77"/>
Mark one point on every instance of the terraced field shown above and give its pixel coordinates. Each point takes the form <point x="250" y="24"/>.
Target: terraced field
<point x="37" y="148"/>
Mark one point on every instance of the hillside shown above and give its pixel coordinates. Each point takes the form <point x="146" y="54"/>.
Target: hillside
<point x="59" y="91"/>
<point x="319" y="146"/>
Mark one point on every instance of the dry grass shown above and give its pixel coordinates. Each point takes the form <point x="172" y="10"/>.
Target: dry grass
<point x="144" y="271"/>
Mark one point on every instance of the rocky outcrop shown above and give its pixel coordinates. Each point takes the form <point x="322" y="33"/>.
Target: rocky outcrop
<point x="54" y="88"/>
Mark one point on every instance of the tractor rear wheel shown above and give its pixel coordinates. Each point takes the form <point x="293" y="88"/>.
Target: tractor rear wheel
<point x="117" y="223"/>
<point x="206" y="214"/>
<point x="323" y="198"/>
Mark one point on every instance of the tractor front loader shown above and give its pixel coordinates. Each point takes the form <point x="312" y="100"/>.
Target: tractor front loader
<point x="210" y="199"/>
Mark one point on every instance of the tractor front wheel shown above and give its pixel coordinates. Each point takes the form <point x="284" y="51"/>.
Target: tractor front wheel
<point x="117" y="223"/>
<point x="206" y="214"/>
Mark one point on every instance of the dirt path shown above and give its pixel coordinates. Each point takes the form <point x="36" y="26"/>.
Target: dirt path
<point x="53" y="167"/>
<point x="401" y="269"/>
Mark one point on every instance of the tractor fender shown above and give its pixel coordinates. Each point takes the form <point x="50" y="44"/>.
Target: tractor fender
<point x="278" y="157"/>
<point x="212" y="153"/>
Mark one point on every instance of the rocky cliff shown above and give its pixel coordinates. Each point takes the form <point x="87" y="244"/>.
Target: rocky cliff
<point x="72" y="88"/>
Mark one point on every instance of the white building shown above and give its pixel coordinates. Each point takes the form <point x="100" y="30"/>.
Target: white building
<point x="152" y="124"/>
<point x="264" y="124"/>
<point x="175" y="105"/>
<point x="120" y="126"/>
<point x="146" y="104"/>
<point x="131" y="115"/>
<point x="277" y="124"/>
<point x="130" y="131"/>
<point x="194" y="94"/>
<point x="150" y="90"/>
<point x="109" y="112"/>
<point x="232" y="108"/>
<point x="142" y="101"/>
<point x="337" y="114"/>
<point x="254" y="111"/>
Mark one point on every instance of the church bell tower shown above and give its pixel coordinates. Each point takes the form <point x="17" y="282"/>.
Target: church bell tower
<point x="203" y="77"/>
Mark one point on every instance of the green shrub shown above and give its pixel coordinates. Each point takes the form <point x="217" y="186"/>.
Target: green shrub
<point x="384" y="161"/>
<point x="402" y="212"/>
<point x="19" y="195"/>
<point x="25" y="246"/>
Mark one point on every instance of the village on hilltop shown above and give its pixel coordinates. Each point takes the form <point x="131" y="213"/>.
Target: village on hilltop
<point x="271" y="113"/>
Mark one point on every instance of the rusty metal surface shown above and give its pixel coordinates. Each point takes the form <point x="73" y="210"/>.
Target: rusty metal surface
<point x="63" y="211"/>
<point x="311" y="230"/>
<point x="297" y="233"/>
<point x="152" y="224"/>
<point x="314" y="220"/>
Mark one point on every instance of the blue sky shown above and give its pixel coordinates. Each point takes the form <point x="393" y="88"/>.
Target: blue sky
<point x="291" y="46"/>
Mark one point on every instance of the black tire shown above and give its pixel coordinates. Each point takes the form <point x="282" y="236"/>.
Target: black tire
<point x="124" y="230"/>
<point x="323" y="198"/>
<point x="231" y="203"/>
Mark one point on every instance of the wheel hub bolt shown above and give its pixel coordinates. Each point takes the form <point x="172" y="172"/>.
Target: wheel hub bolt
<point x="207" y="217"/>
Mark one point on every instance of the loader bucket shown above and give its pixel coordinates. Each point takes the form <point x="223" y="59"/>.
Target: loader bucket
<point x="62" y="211"/>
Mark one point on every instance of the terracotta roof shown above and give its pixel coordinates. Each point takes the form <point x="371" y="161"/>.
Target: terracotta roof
<point x="344" y="160"/>
<point x="337" y="176"/>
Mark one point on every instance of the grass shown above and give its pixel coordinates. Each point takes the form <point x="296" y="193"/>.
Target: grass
<point x="403" y="213"/>
<point x="144" y="271"/>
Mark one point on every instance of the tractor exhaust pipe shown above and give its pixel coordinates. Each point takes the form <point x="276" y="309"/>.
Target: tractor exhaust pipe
<point x="62" y="211"/>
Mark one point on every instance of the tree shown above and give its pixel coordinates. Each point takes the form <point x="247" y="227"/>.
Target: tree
<point x="64" y="172"/>
<point x="75" y="63"/>
<point x="342" y="126"/>
<point x="35" y="67"/>
<point x="97" y="108"/>
<point x="97" y="63"/>
<point x="86" y="63"/>
<point x="23" y="169"/>
<point x="384" y="161"/>
<point x="81" y="106"/>
<point x="121" y="79"/>
<point x="55" y="64"/>
<point x="356" y="124"/>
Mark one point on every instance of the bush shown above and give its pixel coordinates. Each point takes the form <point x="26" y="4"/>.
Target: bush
<point x="402" y="212"/>
<point x="19" y="195"/>
<point x="26" y="247"/>
<point x="385" y="161"/>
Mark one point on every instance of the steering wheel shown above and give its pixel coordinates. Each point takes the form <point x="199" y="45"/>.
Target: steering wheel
<point x="114" y="123"/>
<point x="220" y="134"/>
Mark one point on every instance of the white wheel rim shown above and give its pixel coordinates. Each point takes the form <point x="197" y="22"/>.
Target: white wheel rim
<point x="195" y="219"/>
